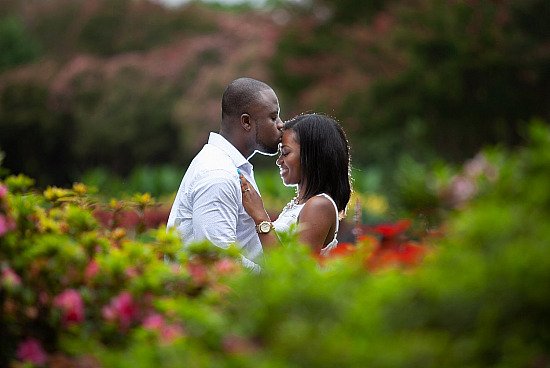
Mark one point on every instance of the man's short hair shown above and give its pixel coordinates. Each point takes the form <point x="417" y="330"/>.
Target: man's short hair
<point x="239" y="94"/>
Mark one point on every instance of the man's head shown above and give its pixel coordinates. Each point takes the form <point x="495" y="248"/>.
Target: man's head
<point x="250" y="117"/>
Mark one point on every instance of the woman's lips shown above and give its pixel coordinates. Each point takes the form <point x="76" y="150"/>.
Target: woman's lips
<point x="283" y="172"/>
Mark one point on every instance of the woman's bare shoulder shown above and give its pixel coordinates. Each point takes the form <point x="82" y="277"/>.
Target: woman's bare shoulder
<point x="318" y="206"/>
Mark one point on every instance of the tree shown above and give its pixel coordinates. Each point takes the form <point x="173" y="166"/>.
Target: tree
<point x="16" y="45"/>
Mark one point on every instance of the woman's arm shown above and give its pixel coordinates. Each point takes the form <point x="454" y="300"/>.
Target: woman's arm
<point x="254" y="206"/>
<point x="317" y="223"/>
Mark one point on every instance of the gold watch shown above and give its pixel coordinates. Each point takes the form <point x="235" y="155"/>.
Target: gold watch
<point x="264" y="227"/>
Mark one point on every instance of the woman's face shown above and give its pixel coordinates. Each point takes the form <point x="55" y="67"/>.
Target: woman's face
<point x="289" y="159"/>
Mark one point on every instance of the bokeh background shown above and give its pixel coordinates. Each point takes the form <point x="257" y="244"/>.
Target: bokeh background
<point x="121" y="94"/>
<point x="443" y="258"/>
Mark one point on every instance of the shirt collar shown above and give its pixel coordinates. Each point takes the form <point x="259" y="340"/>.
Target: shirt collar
<point x="223" y="144"/>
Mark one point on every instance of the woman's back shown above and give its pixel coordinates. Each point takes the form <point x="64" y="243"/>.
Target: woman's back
<point x="290" y="215"/>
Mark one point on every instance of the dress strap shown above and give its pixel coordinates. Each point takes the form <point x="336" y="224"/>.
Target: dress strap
<point x="335" y="208"/>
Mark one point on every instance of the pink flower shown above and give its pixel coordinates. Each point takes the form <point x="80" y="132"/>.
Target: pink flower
<point x="122" y="309"/>
<point x="6" y="224"/>
<point x="3" y="191"/>
<point x="31" y="351"/>
<point x="92" y="269"/>
<point x="237" y="345"/>
<point x="462" y="189"/>
<point x="198" y="272"/>
<point x="153" y="322"/>
<point x="131" y="272"/>
<point x="10" y="279"/>
<point x="225" y="266"/>
<point x="167" y="332"/>
<point x="43" y="297"/>
<point x="70" y="302"/>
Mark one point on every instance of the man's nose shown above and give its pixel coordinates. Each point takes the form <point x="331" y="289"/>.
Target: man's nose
<point x="280" y="124"/>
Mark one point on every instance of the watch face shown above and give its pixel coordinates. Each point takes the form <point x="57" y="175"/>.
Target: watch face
<point x="265" y="227"/>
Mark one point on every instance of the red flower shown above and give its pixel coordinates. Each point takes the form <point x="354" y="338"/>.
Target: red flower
<point x="394" y="248"/>
<point x="405" y="254"/>
<point x="122" y="309"/>
<point x="392" y="230"/>
<point x="70" y="303"/>
<point x="31" y="351"/>
<point x="342" y="250"/>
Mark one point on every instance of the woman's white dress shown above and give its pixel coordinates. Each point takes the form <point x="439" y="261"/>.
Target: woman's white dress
<point x="289" y="218"/>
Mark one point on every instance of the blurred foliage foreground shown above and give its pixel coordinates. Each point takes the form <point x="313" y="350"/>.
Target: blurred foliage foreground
<point x="78" y="292"/>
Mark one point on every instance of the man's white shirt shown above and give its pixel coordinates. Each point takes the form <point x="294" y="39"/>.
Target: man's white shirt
<point x="208" y="204"/>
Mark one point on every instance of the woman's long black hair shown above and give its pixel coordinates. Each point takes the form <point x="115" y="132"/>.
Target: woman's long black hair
<point x="324" y="157"/>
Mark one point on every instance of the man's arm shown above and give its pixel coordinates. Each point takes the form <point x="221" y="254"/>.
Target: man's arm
<point x="215" y="211"/>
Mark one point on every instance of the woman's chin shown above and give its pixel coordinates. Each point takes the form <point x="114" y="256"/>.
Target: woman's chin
<point x="284" y="181"/>
<point x="287" y="184"/>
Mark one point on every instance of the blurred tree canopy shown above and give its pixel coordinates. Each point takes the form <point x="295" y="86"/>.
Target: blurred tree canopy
<point x="16" y="44"/>
<point x="124" y="83"/>
<point x="425" y="78"/>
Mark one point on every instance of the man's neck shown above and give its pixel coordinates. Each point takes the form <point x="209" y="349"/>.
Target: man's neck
<point x="238" y="143"/>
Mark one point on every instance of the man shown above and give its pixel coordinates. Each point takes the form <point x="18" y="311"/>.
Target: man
<point x="208" y="204"/>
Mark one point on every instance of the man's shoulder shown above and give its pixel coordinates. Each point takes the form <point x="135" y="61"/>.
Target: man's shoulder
<point x="212" y="164"/>
<point x="211" y="157"/>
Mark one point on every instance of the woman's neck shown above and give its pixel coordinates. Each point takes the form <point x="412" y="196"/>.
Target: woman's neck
<point x="300" y="194"/>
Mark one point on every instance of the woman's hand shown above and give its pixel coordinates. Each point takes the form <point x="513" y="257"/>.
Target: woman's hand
<point x="252" y="202"/>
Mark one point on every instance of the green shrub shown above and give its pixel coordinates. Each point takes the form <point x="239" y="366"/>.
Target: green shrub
<point x="74" y="290"/>
<point x="67" y="283"/>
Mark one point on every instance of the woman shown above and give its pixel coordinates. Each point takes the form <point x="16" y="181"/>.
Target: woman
<point x="314" y="157"/>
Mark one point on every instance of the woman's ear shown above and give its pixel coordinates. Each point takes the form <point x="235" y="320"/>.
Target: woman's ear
<point x="245" y="122"/>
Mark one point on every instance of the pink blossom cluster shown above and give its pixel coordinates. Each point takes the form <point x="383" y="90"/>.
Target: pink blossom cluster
<point x="122" y="310"/>
<point x="9" y="278"/>
<point x="166" y="331"/>
<point x="92" y="269"/>
<point x="72" y="307"/>
<point x="464" y="186"/>
<point x="6" y="223"/>
<point x="31" y="351"/>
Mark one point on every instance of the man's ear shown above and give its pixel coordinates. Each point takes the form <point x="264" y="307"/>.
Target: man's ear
<point x="245" y="122"/>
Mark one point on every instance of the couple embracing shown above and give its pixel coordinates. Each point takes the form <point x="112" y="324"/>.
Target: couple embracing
<point x="219" y="200"/>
